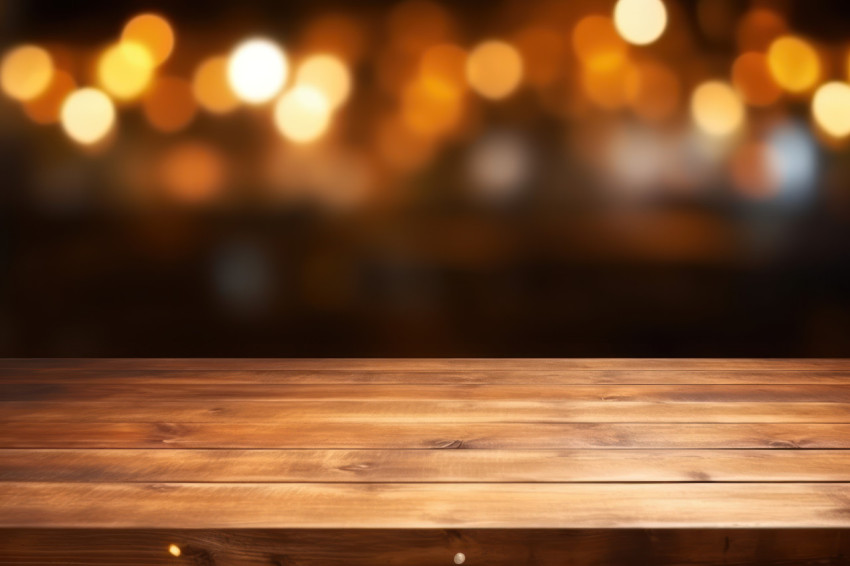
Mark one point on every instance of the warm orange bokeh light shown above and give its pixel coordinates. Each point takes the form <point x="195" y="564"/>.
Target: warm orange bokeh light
<point x="542" y="51"/>
<point x="430" y="109"/>
<point x="609" y="88"/>
<point x="192" y="172"/>
<point x="717" y="109"/>
<point x="494" y="69"/>
<point x="794" y="64"/>
<point x="327" y="74"/>
<point x="169" y="105"/>
<point x="211" y="87"/>
<point x="655" y="94"/>
<point x="598" y="45"/>
<point x="125" y="70"/>
<point x="26" y="72"/>
<point x="758" y="28"/>
<point x="640" y="22"/>
<point x="47" y="108"/>
<point x="752" y="79"/>
<point x="831" y="109"/>
<point x="154" y="33"/>
<point x="444" y="65"/>
<point x="303" y="114"/>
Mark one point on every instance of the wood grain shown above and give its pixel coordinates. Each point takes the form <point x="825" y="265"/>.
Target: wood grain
<point x="394" y="436"/>
<point x="426" y="466"/>
<point x="492" y="547"/>
<point x="143" y="378"/>
<point x="422" y="505"/>
<point x="426" y="364"/>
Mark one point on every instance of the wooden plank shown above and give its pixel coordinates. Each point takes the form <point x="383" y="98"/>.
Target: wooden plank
<point x="611" y="394"/>
<point x="429" y="466"/>
<point x="366" y="547"/>
<point x="428" y="364"/>
<point x="419" y="505"/>
<point x="392" y="435"/>
<point x="295" y="412"/>
<point x="145" y="378"/>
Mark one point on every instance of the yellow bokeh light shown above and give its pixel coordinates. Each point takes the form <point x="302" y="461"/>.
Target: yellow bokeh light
<point x="125" y="70"/>
<point x="752" y="79"/>
<point x="640" y="22"/>
<point x="303" y="114"/>
<point x="831" y="109"/>
<point x="88" y="115"/>
<point x="794" y="63"/>
<point x="154" y="33"/>
<point x="597" y="43"/>
<point x="47" y="107"/>
<point x="717" y="109"/>
<point x="174" y="550"/>
<point x="211" y="87"/>
<point x="26" y="72"/>
<point x="328" y="75"/>
<point x="169" y="105"/>
<point x="494" y="69"/>
<point x="257" y="70"/>
<point x="430" y="108"/>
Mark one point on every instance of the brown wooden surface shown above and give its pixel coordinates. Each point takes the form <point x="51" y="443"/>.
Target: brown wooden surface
<point x="495" y="547"/>
<point x="423" y="444"/>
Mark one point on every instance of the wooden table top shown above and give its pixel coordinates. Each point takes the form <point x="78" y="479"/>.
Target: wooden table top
<point x="421" y="444"/>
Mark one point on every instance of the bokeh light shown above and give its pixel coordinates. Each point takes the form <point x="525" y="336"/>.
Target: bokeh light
<point x="211" y="87"/>
<point x="328" y="75"/>
<point x="751" y="77"/>
<point x="794" y="63"/>
<point x="444" y="68"/>
<point x="494" y="69"/>
<point x="303" y="114"/>
<point x="793" y="158"/>
<point x="758" y="28"/>
<point x="192" y="172"/>
<point x="597" y="43"/>
<point x="88" y="115"/>
<point x="717" y="109"/>
<point x="257" y="70"/>
<point x="610" y="89"/>
<point x="431" y="108"/>
<point x="640" y="22"/>
<point x="125" y="70"/>
<point x="499" y="165"/>
<point x="154" y="33"/>
<point x="46" y="108"/>
<point x="831" y="109"/>
<point x="169" y="105"/>
<point x="26" y="72"/>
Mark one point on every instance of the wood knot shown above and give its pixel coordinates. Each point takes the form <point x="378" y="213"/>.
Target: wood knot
<point x="447" y="444"/>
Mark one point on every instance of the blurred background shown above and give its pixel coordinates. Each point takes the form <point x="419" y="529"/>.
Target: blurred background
<point x="416" y="178"/>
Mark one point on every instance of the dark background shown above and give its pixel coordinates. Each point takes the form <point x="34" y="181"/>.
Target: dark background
<point x="440" y="277"/>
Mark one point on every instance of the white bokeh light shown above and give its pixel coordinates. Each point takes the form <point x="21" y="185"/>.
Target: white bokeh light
<point x="257" y="70"/>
